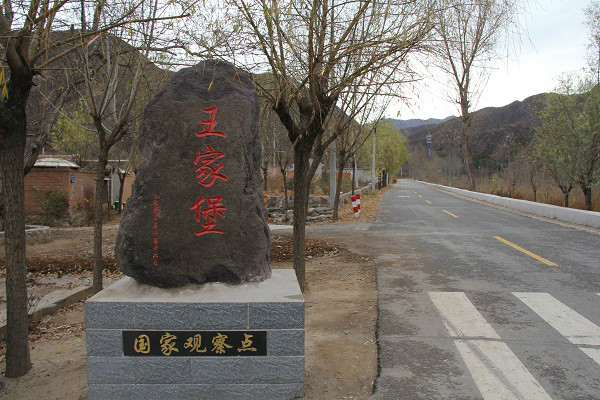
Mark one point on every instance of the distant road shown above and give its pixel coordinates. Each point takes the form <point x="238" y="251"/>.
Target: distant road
<point x="477" y="302"/>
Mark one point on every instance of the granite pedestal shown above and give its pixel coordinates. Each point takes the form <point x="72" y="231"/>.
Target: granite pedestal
<point x="273" y="309"/>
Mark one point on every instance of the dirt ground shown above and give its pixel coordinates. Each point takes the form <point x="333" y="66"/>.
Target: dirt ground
<point x="341" y="314"/>
<point x="341" y="353"/>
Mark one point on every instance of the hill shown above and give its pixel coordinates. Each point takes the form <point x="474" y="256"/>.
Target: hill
<point x="497" y="131"/>
<point x="406" y="124"/>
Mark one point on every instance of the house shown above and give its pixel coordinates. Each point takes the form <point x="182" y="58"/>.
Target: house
<point x="78" y="184"/>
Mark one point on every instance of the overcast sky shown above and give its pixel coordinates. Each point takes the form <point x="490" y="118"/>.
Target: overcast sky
<point x="555" y="43"/>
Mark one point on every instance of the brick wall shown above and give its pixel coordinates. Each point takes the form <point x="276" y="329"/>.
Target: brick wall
<point x="82" y="188"/>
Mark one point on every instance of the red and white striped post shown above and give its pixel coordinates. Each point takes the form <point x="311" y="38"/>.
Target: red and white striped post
<point x="356" y="204"/>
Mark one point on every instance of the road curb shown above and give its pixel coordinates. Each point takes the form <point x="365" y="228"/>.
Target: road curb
<point x="569" y="215"/>
<point x="50" y="303"/>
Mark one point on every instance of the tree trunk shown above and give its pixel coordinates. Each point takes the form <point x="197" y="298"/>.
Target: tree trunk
<point x="533" y="188"/>
<point x="353" y="174"/>
<point x="285" y="190"/>
<point x="265" y="177"/>
<point x="13" y="192"/>
<point x="465" y="136"/>
<point x="566" y="193"/>
<point x="100" y="173"/>
<point x="587" y="193"/>
<point x="468" y="159"/>
<point x="338" y="186"/>
<point x="302" y="152"/>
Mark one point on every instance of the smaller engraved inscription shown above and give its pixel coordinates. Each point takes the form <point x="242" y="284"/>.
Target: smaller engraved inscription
<point x="173" y="343"/>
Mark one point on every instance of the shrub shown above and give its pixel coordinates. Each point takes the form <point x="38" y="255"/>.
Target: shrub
<point x="53" y="202"/>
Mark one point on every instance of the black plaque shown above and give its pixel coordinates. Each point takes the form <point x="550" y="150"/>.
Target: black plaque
<point x="195" y="343"/>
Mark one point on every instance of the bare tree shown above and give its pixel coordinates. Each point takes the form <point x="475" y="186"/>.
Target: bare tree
<point x="266" y="133"/>
<point x="29" y="49"/>
<point x="532" y="166"/>
<point x="307" y="47"/>
<point x="274" y="137"/>
<point x="554" y="140"/>
<point x="469" y="33"/>
<point x="111" y="94"/>
<point x="352" y="134"/>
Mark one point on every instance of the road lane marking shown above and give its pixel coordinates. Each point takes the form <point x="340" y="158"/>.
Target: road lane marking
<point x="570" y="324"/>
<point x="427" y="201"/>
<point x="530" y="254"/>
<point x="420" y="196"/>
<point x="449" y="213"/>
<point x="460" y="316"/>
<point x="497" y="371"/>
<point x="403" y="196"/>
<point x="594" y="354"/>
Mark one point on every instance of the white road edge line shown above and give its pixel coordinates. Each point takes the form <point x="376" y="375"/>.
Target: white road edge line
<point x="497" y="371"/>
<point x="460" y="316"/>
<point x="572" y="325"/>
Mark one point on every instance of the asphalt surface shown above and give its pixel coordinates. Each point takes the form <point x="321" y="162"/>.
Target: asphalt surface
<point x="477" y="302"/>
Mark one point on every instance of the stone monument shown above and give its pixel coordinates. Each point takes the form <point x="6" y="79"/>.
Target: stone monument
<point x="200" y="315"/>
<point x="197" y="200"/>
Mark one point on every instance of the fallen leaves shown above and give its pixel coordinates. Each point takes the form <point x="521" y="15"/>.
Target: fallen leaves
<point x="65" y="265"/>
<point x="281" y="250"/>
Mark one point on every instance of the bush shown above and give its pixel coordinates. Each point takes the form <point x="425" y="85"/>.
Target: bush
<point x="53" y="202"/>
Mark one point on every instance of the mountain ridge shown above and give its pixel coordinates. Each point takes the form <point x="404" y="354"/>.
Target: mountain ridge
<point x="404" y="124"/>
<point x="497" y="131"/>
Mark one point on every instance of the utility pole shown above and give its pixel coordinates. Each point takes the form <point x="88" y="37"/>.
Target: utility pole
<point x="373" y="162"/>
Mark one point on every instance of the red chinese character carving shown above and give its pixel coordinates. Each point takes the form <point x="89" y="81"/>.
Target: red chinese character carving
<point x="209" y="124"/>
<point x="206" y="173"/>
<point x="209" y="214"/>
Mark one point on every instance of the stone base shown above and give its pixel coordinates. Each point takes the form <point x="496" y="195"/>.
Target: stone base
<point x="275" y="306"/>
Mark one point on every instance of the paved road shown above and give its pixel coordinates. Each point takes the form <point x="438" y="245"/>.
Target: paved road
<point x="477" y="302"/>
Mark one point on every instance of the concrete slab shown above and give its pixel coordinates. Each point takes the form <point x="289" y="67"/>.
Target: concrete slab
<point x="281" y="287"/>
<point x="50" y="303"/>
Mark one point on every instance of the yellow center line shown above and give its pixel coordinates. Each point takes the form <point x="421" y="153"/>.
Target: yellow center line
<point x="514" y="246"/>
<point x="449" y="213"/>
<point x="427" y="201"/>
<point x="420" y="195"/>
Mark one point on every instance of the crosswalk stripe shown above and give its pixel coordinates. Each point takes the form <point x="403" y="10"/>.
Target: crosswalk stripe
<point x="460" y="316"/>
<point x="593" y="353"/>
<point x="570" y="324"/>
<point x="497" y="371"/>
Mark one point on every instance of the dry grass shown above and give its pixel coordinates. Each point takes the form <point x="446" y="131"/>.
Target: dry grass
<point x="369" y="206"/>
<point x="548" y="193"/>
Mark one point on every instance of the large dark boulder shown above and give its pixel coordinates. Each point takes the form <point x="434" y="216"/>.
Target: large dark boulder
<point x="196" y="213"/>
